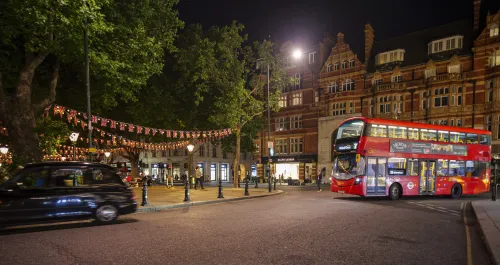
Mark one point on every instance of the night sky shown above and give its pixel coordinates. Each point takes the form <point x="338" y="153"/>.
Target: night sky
<point x="305" y="21"/>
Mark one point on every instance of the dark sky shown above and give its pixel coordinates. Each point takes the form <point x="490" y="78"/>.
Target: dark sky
<point x="305" y="21"/>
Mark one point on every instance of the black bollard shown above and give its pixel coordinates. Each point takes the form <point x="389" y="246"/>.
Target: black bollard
<point x="186" y="191"/>
<point x="144" y="194"/>
<point x="246" y="187"/>
<point x="220" y="190"/>
<point x="275" y="180"/>
<point x="256" y="182"/>
<point x="239" y="182"/>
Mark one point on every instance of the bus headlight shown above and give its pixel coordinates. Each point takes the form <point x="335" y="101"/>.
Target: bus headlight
<point x="357" y="181"/>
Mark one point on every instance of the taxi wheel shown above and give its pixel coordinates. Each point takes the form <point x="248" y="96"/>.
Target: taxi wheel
<point x="106" y="214"/>
<point x="395" y="191"/>
<point x="456" y="191"/>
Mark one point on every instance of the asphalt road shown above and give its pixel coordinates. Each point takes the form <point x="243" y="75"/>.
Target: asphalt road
<point x="300" y="227"/>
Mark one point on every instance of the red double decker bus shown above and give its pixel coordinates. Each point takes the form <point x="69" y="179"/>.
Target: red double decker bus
<point x="376" y="157"/>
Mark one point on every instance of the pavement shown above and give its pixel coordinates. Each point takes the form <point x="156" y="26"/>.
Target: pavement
<point x="301" y="226"/>
<point x="162" y="198"/>
<point x="488" y="217"/>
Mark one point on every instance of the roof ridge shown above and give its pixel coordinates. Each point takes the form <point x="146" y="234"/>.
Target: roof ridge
<point x="423" y="30"/>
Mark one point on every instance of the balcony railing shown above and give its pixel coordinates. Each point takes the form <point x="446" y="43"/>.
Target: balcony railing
<point x="389" y="86"/>
<point x="445" y="77"/>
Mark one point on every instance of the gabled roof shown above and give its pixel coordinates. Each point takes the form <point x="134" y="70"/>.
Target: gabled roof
<point x="415" y="44"/>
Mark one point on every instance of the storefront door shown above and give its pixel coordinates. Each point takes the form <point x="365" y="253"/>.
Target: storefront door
<point x="213" y="172"/>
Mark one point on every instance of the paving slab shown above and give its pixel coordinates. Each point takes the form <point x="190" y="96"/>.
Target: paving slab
<point x="488" y="216"/>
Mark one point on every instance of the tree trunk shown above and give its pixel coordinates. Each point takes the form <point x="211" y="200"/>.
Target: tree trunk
<point x="236" y="162"/>
<point x="133" y="158"/>
<point x="21" y="124"/>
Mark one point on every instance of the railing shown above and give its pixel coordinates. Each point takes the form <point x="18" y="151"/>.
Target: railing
<point x="445" y="77"/>
<point x="390" y="86"/>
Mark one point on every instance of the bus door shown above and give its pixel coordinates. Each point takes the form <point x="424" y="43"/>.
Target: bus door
<point x="375" y="176"/>
<point x="427" y="177"/>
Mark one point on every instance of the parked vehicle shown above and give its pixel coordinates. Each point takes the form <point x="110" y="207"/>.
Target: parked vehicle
<point x="61" y="191"/>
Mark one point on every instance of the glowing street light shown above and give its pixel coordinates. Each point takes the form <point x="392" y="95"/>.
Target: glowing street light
<point x="4" y="150"/>
<point x="190" y="147"/>
<point x="73" y="137"/>
<point x="297" y="54"/>
<point x="107" y="154"/>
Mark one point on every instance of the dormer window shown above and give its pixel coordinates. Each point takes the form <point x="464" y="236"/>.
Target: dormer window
<point x="454" y="69"/>
<point x="344" y="65"/>
<point x="397" y="78"/>
<point x="445" y="44"/>
<point x="494" y="30"/>
<point x="390" y="56"/>
<point x="494" y="59"/>
<point x="329" y="68"/>
<point x="336" y="66"/>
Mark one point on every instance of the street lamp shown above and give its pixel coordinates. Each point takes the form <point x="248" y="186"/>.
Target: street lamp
<point x="190" y="149"/>
<point x="107" y="154"/>
<point x="297" y="54"/>
<point x="73" y="138"/>
<point x="4" y="150"/>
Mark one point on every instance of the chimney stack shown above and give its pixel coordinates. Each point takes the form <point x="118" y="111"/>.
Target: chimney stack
<point x="477" y="14"/>
<point x="340" y="39"/>
<point x="369" y="38"/>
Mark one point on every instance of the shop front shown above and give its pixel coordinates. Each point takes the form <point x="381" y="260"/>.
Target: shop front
<point x="298" y="167"/>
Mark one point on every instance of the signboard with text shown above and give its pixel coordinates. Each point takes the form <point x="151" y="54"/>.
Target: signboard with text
<point x="346" y="147"/>
<point x="402" y="146"/>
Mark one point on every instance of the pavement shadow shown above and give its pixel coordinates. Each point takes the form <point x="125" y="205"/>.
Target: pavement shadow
<point x="32" y="228"/>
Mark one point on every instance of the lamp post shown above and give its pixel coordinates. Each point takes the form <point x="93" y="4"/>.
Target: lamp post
<point x="190" y="149"/>
<point x="73" y="138"/>
<point x="107" y="154"/>
<point x="87" y="82"/>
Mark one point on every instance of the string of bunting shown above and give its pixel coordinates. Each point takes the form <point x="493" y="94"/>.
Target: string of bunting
<point x="72" y="115"/>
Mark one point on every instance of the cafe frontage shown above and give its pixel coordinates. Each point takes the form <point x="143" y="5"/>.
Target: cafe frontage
<point x="295" y="167"/>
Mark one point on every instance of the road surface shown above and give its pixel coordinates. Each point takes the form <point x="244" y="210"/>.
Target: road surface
<point x="301" y="226"/>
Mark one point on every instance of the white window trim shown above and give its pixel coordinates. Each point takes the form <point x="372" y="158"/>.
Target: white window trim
<point x="396" y="78"/>
<point x="441" y="45"/>
<point x="494" y="30"/>
<point x="385" y="57"/>
<point x="313" y="55"/>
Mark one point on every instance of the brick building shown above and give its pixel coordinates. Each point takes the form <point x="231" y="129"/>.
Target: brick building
<point x="448" y="75"/>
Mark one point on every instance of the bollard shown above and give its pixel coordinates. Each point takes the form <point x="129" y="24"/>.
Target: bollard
<point x="256" y="182"/>
<point x="275" y="180"/>
<point x="186" y="191"/>
<point x="494" y="186"/>
<point x="239" y="181"/>
<point x="144" y="194"/>
<point x="246" y="187"/>
<point x="220" y="190"/>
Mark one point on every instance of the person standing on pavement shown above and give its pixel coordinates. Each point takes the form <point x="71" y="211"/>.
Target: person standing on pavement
<point x="199" y="179"/>
<point x="319" y="178"/>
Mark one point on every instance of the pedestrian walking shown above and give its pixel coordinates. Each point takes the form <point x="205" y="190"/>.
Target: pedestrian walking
<point x="199" y="178"/>
<point x="319" y="178"/>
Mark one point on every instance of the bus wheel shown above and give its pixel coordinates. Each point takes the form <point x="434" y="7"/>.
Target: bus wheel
<point x="395" y="191"/>
<point x="456" y="191"/>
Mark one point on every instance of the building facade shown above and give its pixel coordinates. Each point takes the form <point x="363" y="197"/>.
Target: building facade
<point x="214" y="163"/>
<point x="447" y="75"/>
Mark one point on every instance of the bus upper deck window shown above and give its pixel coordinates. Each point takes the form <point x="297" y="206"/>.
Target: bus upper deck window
<point x="429" y="135"/>
<point x="397" y="132"/>
<point x="484" y="139"/>
<point x="472" y="138"/>
<point x="443" y="136"/>
<point x="412" y="134"/>
<point x="456" y="137"/>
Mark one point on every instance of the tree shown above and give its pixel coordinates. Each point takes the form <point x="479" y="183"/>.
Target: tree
<point x="38" y="38"/>
<point x="239" y="88"/>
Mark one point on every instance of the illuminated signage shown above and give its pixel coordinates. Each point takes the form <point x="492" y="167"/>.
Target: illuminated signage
<point x="347" y="147"/>
<point x="286" y="159"/>
<point x="397" y="171"/>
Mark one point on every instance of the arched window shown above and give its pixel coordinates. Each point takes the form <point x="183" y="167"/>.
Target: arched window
<point x="336" y="67"/>
<point x="351" y="63"/>
<point x="494" y="30"/>
<point x="329" y="68"/>
<point x="344" y="65"/>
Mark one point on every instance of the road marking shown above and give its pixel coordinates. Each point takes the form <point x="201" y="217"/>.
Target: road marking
<point x="437" y="208"/>
<point x="467" y="234"/>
